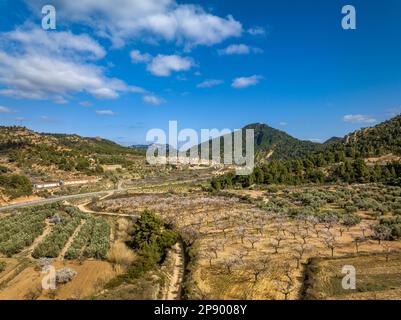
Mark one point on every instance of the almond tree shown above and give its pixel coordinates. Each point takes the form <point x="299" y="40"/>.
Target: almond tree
<point x="331" y="243"/>
<point x="258" y="267"/>
<point x="314" y="222"/>
<point x="253" y="240"/>
<point x="300" y="251"/>
<point x="260" y="225"/>
<point x="364" y="227"/>
<point x="285" y="284"/>
<point x="293" y="231"/>
<point x="304" y="236"/>
<point x="358" y="240"/>
<point x="241" y="254"/>
<point x="381" y="233"/>
<point x="241" y="232"/>
<point x="209" y="255"/>
<point x="229" y="263"/>
<point x="387" y="251"/>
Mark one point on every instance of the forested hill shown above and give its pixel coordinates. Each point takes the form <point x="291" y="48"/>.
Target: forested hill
<point x="367" y="155"/>
<point x="25" y="149"/>
<point x="385" y="138"/>
<point x="272" y="144"/>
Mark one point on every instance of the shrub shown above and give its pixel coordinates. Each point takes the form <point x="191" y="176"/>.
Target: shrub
<point x="2" y="266"/>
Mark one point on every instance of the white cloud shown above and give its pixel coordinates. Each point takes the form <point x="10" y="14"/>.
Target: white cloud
<point x="138" y="57"/>
<point x="37" y="40"/>
<point x="35" y="64"/>
<point x="316" y="140"/>
<point x="245" y="82"/>
<point x="86" y="104"/>
<point x="238" y="49"/>
<point x="153" y="100"/>
<point x="210" y="83"/>
<point x="185" y="24"/>
<point x="163" y="66"/>
<point x="283" y="124"/>
<point x="359" y="118"/>
<point x="256" y="31"/>
<point x="105" y="112"/>
<point x="60" y="100"/>
<point x="5" y="110"/>
<point x="37" y="76"/>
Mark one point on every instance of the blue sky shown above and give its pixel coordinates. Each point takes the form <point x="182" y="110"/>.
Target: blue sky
<point x="117" y="69"/>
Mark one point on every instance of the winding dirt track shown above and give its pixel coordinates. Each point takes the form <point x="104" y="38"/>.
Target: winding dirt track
<point x="177" y="277"/>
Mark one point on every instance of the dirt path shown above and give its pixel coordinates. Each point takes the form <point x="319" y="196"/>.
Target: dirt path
<point x="38" y="240"/>
<point x="177" y="277"/>
<point x="70" y="240"/>
<point x="83" y="208"/>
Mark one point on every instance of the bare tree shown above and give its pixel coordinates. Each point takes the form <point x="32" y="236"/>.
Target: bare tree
<point x="209" y="255"/>
<point x="223" y="226"/>
<point x="253" y="240"/>
<point x="358" y="240"/>
<point x="300" y="251"/>
<point x="214" y="248"/>
<point x="258" y="267"/>
<point x="331" y="243"/>
<point x="329" y="221"/>
<point x="341" y="229"/>
<point x="293" y="231"/>
<point x="304" y="236"/>
<point x="260" y="226"/>
<point x="241" y="232"/>
<point x="387" y="251"/>
<point x="241" y="254"/>
<point x="229" y="263"/>
<point x="364" y="228"/>
<point x="285" y="284"/>
<point x="190" y="235"/>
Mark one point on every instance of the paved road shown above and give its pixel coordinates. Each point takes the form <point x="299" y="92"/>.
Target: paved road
<point x="92" y="194"/>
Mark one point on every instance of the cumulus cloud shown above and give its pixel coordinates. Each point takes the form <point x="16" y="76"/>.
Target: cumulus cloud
<point x="153" y="100"/>
<point x="163" y="66"/>
<point x="256" y="31"/>
<point x="65" y="43"/>
<point x="210" y="83"/>
<point x="51" y="65"/>
<point x="105" y="112"/>
<point x="245" y="82"/>
<point x="359" y="118"/>
<point x="138" y="57"/>
<point x="28" y="76"/>
<point x="186" y="24"/>
<point x="5" y="110"/>
<point x="238" y="49"/>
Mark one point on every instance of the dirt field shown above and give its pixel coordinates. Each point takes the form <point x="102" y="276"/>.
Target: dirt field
<point x="376" y="278"/>
<point x="91" y="276"/>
